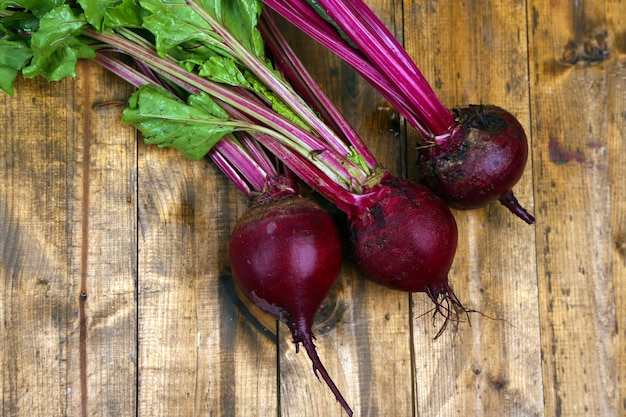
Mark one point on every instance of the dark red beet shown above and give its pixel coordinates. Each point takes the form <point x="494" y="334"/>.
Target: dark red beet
<point x="286" y="256"/>
<point x="480" y="163"/>
<point x="406" y="239"/>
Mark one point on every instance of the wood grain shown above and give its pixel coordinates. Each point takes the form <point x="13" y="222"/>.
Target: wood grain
<point x="36" y="299"/>
<point x="117" y="297"/>
<point x="615" y="13"/>
<point x="69" y="248"/>
<point x="491" y="367"/>
<point x="196" y="352"/>
<point x="572" y="106"/>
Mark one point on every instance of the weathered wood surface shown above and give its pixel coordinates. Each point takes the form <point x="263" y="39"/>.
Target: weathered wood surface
<point x="494" y="366"/>
<point x="117" y="299"/>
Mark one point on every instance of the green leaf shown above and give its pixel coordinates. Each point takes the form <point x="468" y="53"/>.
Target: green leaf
<point x="13" y="56"/>
<point x="128" y="13"/>
<point x="18" y="24"/>
<point x="184" y="34"/>
<point x="240" y="17"/>
<point x="36" y="7"/>
<point x="174" y="23"/>
<point x="208" y="105"/>
<point x="57" y="45"/>
<point x="112" y="14"/>
<point x="223" y="70"/>
<point x="166" y="121"/>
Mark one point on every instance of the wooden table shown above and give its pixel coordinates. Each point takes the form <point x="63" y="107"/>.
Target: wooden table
<point x="116" y="294"/>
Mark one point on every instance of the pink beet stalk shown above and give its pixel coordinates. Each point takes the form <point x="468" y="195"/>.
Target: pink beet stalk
<point x="351" y="30"/>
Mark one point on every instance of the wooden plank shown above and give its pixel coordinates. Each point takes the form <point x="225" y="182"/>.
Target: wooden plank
<point x="199" y="353"/>
<point x="572" y="134"/>
<point x="474" y="52"/>
<point x="142" y="233"/>
<point x="102" y="254"/>
<point x="363" y="333"/>
<point x="616" y="148"/>
<point x="34" y="245"/>
<point x="68" y="244"/>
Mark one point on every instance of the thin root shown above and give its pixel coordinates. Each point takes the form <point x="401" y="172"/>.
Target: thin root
<point x="450" y="308"/>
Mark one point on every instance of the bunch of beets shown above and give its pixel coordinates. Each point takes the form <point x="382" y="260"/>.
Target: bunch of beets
<point x="217" y="80"/>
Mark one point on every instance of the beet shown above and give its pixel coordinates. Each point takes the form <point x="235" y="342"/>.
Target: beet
<point x="480" y="162"/>
<point x="285" y="256"/>
<point x="406" y="239"/>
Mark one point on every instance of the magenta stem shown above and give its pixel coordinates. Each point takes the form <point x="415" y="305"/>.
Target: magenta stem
<point x="291" y="66"/>
<point x="230" y="172"/>
<point x="299" y="13"/>
<point x="344" y="200"/>
<point x="257" y="153"/>
<point x="381" y="48"/>
<point x="380" y="57"/>
<point x="246" y="165"/>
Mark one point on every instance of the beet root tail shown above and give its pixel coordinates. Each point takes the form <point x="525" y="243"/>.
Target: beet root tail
<point x="306" y="339"/>
<point x="447" y="305"/>
<point x="509" y="201"/>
